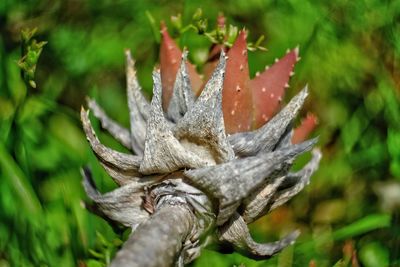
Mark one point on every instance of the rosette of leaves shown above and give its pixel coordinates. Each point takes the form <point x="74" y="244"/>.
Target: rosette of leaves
<point x="209" y="155"/>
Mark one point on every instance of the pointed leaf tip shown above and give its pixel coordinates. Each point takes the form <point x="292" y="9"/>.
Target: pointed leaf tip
<point x="268" y="88"/>
<point x="237" y="233"/>
<point x="122" y="167"/>
<point x="170" y="56"/>
<point x="182" y="96"/>
<point x="238" y="177"/>
<point x="305" y="128"/>
<point x="237" y="99"/>
<point x="163" y="153"/>
<point x="139" y="107"/>
<point x="88" y="183"/>
<point x="204" y="121"/>
<point x="267" y="137"/>
<point x="115" y="129"/>
<point x="293" y="183"/>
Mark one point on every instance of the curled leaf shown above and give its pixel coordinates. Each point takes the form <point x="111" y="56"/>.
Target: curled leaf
<point x="235" y="232"/>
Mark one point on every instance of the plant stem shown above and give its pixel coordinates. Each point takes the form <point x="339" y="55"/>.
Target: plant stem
<point x="158" y="241"/>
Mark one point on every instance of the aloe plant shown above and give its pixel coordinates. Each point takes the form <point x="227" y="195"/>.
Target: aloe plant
<point x="209" y="156"/>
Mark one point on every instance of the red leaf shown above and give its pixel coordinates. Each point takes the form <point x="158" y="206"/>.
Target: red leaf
<point x="195" y="79"/>
<point x="305" y="128"/>
<point x="212" y="61"/>
<point x="268" y="88"/>
<point x="170" y="59"/>
<point x="236" y="95"/>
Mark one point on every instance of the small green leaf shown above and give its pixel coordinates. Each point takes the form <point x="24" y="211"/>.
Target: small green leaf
<point x="198" y="14"/>
<point x="98" y="255"/>
<point x="176" y="22"/>
<point x="362" y="226"/>
<point x="94" y="263"/>
<point x="232" y="34"/>
<point x="31" y="50"/>
<point x="27" y="34"/>
<point x="339" y="263"/>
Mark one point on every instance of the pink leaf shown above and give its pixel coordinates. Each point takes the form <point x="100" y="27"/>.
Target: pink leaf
<point x="170" y="60"/>
<point x="305" y="128"/>
<point x="268" y="88"/>
<point x="236" y="95"/>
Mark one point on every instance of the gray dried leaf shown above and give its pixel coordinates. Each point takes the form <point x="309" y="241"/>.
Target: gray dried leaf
<point x="120" y="166"/>
<point x="120" y="176"/>
<point x="295" y="182"/>
<point x="139" y="108"/>
<point x="286" y="139"/>
<point x="182" y="97"/>
<point x="256" y="204"/>
<point x="133" y="87"/>
<point x="235" y="232"/>
<point x="280" y="190"/>
<point x="115" y="129"/>
<point x="123" y="205"/>
<point x="203" y="124"/>
<point x="163" y="153"/>
<point x="190" y="175"/>
<point x="236" y="178"/>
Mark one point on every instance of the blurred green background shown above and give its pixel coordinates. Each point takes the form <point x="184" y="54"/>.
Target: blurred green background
<point x="350" y="54"/>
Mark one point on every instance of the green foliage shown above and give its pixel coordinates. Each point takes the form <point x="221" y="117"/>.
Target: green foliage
<point x="221" y="34"/>
<point x="31" y="50"/>
<point x="103" y="251"/>
<point x="350" y="54"/>
<point x="362" y="226"/>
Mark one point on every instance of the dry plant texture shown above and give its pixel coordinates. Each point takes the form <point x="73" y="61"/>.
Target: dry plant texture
<point x="198" y="173"/>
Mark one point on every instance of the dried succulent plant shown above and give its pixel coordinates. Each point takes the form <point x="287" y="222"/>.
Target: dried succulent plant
<point x="204" y="167"/>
